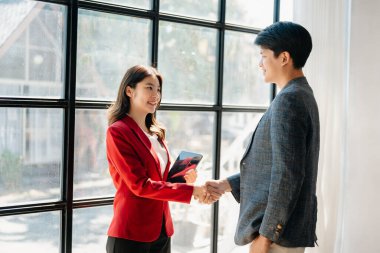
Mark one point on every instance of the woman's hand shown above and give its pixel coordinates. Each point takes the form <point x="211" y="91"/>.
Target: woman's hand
<point x="200" y="193"/>
<point x="191" y="176"/>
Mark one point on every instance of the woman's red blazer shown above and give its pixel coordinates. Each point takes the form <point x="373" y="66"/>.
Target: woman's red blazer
<point x="142" y="194"/>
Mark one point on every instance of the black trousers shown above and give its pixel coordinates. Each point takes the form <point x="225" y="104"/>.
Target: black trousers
<point x="120" y="245"/>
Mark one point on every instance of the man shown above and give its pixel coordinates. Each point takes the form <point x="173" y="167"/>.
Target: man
<point x="276" y="186"/>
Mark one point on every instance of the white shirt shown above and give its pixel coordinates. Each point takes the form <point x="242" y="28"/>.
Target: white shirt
<point x="160" y="151"/>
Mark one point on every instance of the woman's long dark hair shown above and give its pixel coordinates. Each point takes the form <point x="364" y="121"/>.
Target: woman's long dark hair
<point x="122" y="105"/>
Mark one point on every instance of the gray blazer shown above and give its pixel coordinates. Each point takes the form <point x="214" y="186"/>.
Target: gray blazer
<point x="276" y="186"/>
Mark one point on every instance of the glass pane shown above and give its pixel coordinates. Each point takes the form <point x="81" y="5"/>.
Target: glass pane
<point x="30" y="154"/>
<point x="254" y="13"/>
<point x="187" y="60"/>
<point x="144" y="4"/>
<point x="237" y="129"/>
<point x="107" y="46"/>
<point x="91" y="177"/>
<point x="204" y="9"/>
<point x="192" y="223"/>
<point x="32" y="49"/>
<point x="92" y="222"/>
<point x="286" y="10"/>
<point x="243" y="80"/>
<point x="32" y="233"/>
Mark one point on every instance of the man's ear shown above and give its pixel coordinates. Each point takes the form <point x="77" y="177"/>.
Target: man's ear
<point x="129" y="91"/>
<point x="285" y="58"/>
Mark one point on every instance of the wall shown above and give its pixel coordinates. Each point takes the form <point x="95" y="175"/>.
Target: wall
<point x="361" y="204"/>
<point x="342" y="71"/>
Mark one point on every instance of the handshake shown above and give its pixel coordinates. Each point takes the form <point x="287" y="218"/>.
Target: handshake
<point x="211" y="191"/>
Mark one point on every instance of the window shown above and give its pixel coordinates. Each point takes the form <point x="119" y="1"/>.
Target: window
<point x="237" y="129"/>
<point x="36" y="232"/>
<point x="144" y="4"/>
<point x="202" y="9"/>
<point x="107" y="45"/>
<point x="91" y="177"/>
<point x="243" y="83"/>
<point x="192" y="131"/>
<point x="30" y="154"/>
<point x="92" y="222"/>
<point x="32" y="49"/>
<point x="253" y="13"/>
<point x="188" y="63"/>
<point x="60" y="69"/>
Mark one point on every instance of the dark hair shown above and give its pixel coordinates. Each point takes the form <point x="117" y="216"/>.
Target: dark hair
<point x="287" y="36"/>
<point x="122" y="105"/>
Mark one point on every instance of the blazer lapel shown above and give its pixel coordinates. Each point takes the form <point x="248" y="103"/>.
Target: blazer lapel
<point x="250" y="143"/>
<point x="145" y="140"/>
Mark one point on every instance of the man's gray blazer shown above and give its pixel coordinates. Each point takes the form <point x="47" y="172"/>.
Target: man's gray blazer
<point x="276" y="186"/>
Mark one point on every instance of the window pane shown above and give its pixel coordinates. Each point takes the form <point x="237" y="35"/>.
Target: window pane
<point x="192" y="222"/>
<point x="144" y="4"/>
<point x="107" y="46"/>
<point x="243" y="80"/>
<point x="32" y="233"/>
<point x="32" y="49"/>
<point x="237" y="129"/>
<point x="91" y="177"/>
<point x="254" y="13"/>
<point x="93" y="223"/>
<point x="187" y="60"/>
<point x="30" y="154"/>
<point x="204" y="9"/>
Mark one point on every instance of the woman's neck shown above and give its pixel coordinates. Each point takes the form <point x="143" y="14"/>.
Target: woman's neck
<point x="139" y="118"/>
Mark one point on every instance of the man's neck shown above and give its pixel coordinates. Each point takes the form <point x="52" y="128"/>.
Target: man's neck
<point x="288" y="76"/>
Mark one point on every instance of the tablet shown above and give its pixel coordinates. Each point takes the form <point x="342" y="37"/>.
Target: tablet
<point x="185" y="161"/>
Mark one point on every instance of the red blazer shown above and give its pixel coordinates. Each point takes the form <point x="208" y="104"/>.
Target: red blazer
<point x="142" y="194"/>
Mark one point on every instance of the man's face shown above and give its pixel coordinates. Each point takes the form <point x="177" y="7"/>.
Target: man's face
<point x="270" y="65"/>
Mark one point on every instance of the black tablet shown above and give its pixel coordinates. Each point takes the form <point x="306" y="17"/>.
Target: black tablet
<point x="185" y="161"/>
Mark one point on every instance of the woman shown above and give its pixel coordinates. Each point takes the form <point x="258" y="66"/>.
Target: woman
<point x="139" y="164"/>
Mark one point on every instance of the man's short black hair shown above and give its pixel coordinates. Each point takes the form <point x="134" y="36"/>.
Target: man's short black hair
<point x="287" y="36"/>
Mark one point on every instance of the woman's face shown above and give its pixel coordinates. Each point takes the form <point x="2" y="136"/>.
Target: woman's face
<point x="146" y="96"/>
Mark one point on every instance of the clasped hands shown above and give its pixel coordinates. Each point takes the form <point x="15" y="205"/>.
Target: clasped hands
<point x="211" y="191"/>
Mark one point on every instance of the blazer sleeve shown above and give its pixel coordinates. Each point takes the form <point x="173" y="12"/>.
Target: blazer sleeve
<point x="125" y="160"/>
<point x="288" y="131"/>
<point x="234" y="182"/>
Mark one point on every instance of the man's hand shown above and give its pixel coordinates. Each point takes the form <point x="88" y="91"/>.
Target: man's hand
<point x="215" y="189"/>
<point x="218" y="186"/>
<point x="260" y="245"/>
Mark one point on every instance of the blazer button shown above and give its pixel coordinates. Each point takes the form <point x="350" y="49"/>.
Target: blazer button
<point x="279" y="227"/>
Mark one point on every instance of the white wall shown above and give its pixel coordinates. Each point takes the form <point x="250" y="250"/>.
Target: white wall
<point x="343" y="71"/>
<point x="361" y="204"/>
